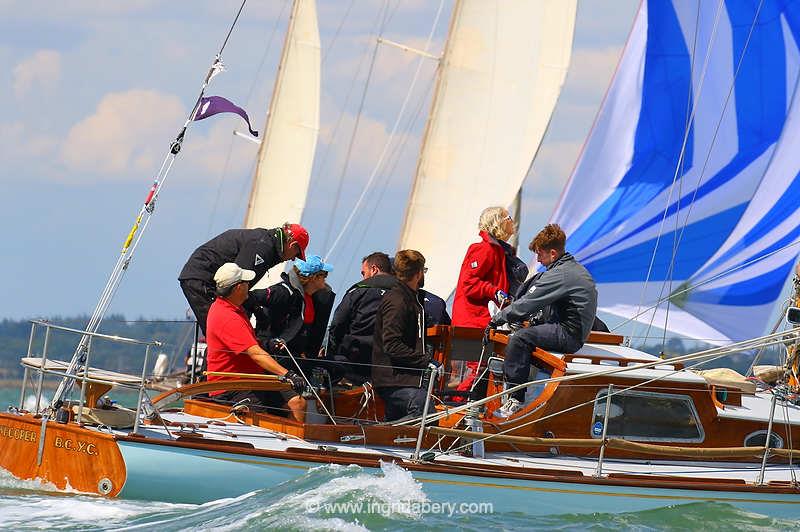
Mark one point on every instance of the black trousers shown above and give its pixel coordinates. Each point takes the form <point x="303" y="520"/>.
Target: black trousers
<point x="200" y="295"/>
<point x="547" y="336"/>
<point x="406" y="401"/>
<point x="259" y="400"/>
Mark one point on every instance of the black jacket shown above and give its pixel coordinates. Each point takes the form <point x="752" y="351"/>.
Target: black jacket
<point x="279" y="314"/>
<point x="353" y="324"/>
<point x="516" y="269"/>
<point x="252" y="249"/>
<point x="398" y="350"/>
<point x="435" y="309"/>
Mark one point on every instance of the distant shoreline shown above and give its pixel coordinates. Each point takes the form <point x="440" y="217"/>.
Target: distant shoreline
<point x="17" y="383"/>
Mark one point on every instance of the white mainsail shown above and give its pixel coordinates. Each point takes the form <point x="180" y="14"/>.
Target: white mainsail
<point x="286" y="155"/>
<point x="498" y="81"/>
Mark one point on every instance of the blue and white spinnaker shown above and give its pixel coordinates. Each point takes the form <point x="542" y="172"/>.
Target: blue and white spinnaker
<point x="687" y="189"/>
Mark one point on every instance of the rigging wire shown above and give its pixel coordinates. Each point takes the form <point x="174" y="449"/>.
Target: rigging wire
<point x="710" y="149"/>
<point x="686" y="126"/>
<point x="709" y="280"/>
<point x="136" y="233"/>
<point x="587" y="403"/>
<point x="249" y="100"/>
<point x="397" y="155"/>
<point x="681" y="157"/>
<point x="391" y="135"/>
<point x="348" y="154"/>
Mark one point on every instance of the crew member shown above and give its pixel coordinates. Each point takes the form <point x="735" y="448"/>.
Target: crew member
<point x="257" y="250"/>
<point x="399" y="359"/>
<point x="567" y="292"/>
<point x="233" y="347"/>
<point x="353" y="324"/>
<point x="490" y="270"/>
<point x="293" y="314"/>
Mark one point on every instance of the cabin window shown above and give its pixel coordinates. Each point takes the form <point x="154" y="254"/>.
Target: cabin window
<point x="647" y="416"/>
<point x="757" y="439"/>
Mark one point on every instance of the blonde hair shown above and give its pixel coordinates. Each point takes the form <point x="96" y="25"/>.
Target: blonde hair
<point x="491" y="221"/>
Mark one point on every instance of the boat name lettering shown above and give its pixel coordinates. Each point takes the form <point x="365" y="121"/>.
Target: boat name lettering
<point x="76" y="445"/>
<point x="16" y="433"/>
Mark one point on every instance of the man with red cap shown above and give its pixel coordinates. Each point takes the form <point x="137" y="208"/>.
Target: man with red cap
<point x="256" y="249"/>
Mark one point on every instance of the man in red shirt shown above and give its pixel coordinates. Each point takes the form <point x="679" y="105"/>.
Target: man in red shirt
<point x="233" y="347"/>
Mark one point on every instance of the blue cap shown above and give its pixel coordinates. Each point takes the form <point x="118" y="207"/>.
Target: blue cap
<point x="313" y="264"/>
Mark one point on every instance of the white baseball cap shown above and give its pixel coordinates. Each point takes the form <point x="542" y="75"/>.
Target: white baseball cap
<point x="231" y="273"/>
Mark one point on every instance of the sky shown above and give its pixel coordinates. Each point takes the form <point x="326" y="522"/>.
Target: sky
<point x="95" y="91"/>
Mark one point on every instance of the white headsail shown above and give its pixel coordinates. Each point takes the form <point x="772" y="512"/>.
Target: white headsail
<point x="498" y="81"/>
<point x="286" y="155"/>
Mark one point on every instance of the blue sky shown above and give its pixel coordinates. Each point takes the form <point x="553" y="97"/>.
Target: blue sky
<point x="95" y="91"/>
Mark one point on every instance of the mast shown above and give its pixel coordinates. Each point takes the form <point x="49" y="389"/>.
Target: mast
<point x="286" y="154"/>
<point x="516" y="213"/>
<point x="498" y="81"/>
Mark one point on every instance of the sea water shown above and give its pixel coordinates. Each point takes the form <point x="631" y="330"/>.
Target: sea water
<point x="335" y="497"/>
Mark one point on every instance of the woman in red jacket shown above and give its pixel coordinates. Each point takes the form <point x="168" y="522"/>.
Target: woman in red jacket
<point x="490" y="272"/>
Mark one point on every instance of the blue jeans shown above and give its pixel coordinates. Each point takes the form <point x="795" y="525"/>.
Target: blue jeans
<point x="402" y="402"/>
<point x="547" y="336"/>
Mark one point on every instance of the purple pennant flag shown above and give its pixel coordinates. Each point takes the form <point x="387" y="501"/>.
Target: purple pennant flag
<point x="213" y="105"/>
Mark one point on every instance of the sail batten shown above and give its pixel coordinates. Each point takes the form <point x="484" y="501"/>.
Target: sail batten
<point x="286" y="155"/>
<point x="498" y="81"/>
<point x="713" y="214"/>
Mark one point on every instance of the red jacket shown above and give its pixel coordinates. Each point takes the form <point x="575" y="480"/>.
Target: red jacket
<point x="483" y="273"/>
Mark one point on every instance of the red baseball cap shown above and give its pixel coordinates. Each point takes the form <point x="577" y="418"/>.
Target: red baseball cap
<point x="299" y="235"/>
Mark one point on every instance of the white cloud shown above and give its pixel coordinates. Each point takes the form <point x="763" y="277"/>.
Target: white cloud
<point x="370" y="142"/>
<point x="128" y="131"/>
<point x="41" y="70"/>
<point x="20" y="144"/>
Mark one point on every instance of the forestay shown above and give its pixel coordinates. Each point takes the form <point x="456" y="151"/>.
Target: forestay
<point x="286" y="155"/>
<point x="498" y="81"/>
<point x="705" y="75"/>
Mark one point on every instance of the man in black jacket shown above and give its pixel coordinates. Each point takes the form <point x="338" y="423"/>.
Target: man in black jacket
<point x="399" y="359"/>
<point x="353" y="325"/>
<point x="252" y="249"/>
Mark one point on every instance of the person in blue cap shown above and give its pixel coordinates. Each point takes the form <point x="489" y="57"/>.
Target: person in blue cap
<point x="295" y="311"/>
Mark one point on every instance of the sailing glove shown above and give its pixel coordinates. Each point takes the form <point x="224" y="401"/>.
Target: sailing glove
<point x="297" y="382"/>
<point x="275" y="345"/>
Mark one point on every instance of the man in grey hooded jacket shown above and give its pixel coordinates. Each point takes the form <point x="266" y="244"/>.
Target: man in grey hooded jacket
<point x="566" y="292"/>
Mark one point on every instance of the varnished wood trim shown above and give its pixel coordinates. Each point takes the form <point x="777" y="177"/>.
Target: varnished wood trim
<point x="72" y="456"/>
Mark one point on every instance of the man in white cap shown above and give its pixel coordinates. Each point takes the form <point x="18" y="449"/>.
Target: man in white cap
<point x="233" y="347"/>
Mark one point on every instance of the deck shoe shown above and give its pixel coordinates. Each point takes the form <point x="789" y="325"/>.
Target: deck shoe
<point x="509" y="408"/>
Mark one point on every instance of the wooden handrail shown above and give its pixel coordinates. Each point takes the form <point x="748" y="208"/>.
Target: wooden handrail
<point x="270" y="385"/>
